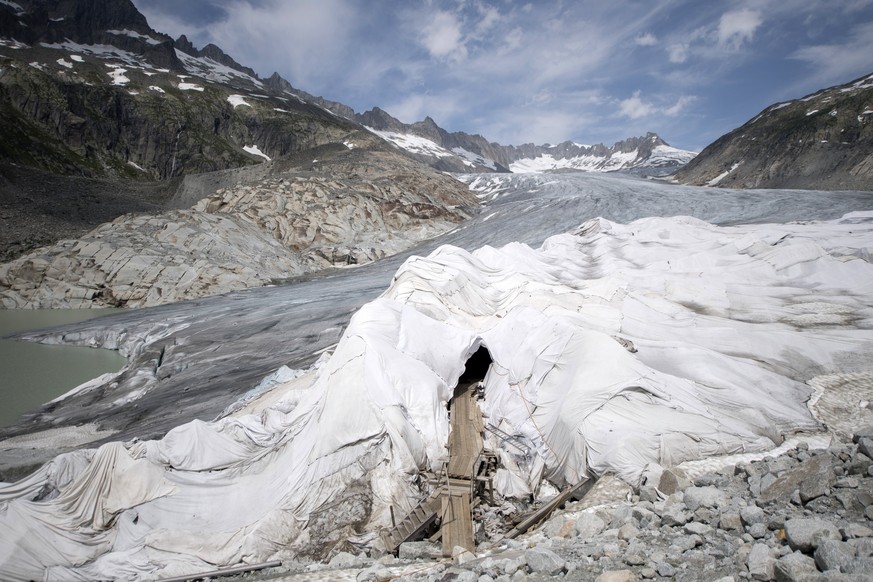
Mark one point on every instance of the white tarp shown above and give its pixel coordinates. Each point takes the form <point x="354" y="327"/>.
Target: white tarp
<point x="728" y="323"/>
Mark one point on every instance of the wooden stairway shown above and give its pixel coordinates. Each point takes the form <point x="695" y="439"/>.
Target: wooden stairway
<point x="415" y="524"/>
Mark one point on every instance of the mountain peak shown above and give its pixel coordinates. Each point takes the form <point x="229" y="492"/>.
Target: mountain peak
<point x="211" y="51"/>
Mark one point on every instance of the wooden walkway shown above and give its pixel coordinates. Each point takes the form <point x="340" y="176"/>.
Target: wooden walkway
<point x="465" y="449"/>
<point x="452" y="502"/>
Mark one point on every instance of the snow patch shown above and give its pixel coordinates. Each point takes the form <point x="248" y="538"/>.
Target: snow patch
<point x="118" y="75"/>
<point x="65" y="63"/>
<point x="471" y="158"/>
<point x="723" y="175"/>
<point x="16" y="7"/>
<point x="811" y="112"/>
<point x="190" y="87"/>
<point x="237" y="101"/>
<point x="135" y="165"/>
<point x="134" y="34"/>
<point x="211" y="70"/>
<point x="12" y="44"/>
<point x="156" y="89"/>
<point x="413" y="143"/>
<point x="77" y="58"/>
<point x="255" y="150"/>
<point x="103" y="51"/>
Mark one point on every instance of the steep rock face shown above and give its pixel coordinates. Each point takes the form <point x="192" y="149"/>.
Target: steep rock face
<point x="88" y="22"/>
<point x="353" y="207"/>
<point x="822" y="141"/>
<point x="89" y="88"/>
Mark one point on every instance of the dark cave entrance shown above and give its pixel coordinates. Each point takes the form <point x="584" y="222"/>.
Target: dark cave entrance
<point x="476" y="367"/>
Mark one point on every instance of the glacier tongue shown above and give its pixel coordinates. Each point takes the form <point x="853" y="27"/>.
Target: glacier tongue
<point x="727" y="324"/>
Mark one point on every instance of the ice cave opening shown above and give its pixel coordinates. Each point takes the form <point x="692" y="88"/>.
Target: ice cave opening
<point x="477" y="366"/>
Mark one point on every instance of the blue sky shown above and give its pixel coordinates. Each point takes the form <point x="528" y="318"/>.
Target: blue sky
<point x="547" y="71"/>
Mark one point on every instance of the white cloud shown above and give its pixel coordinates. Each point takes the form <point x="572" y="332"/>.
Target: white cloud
<point x="680" y="105"/>
<point x="838" y="62"/>
<point x="678" y="52"/>
<point x="634" y="107"/>
<point x="737" y="27"/>
<point x="442" y="37"/>
<point x="647" y="39"/>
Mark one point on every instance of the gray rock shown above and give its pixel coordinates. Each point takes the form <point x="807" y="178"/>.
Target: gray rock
<point x="704" y="497"/>
<point x="628" y="532"/>
<point x="730" y="521"/>
<point x="375" y="572"/>
<point x="616" y="576"/>
<point x="805" y="534"/>
<point x="833" y="555"/>
<point x="856" y="530"/>
<point x="649" y="493"/>
<point x="847" y="483"/>
<point x="752" y="514"/>
<point x="794" y="567"/>
<point x="588" y="525"/>
<point x="544" y="561"/>
<point x="345" y="560"/>
<point x="459" y="575"/>
<point x="420" y="551"/>
<point x="859" y="464"/>
<point x="758" y="531"/>
<point x="462" y="555"/>
<point x="760" y="563"/>
<point x="695" y="527"/>
<point x="665" y="569"/>
<point x="861" y="566"/>
<point x="818" y="467"/>
<point x="675" y="514"/>
<point x="865" y="445"/>
<point x="672" y="481"/>
<point x="863" y="547"/>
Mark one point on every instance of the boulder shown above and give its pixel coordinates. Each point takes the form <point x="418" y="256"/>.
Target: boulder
<point x="761" y="564"/>
<point x="833" y="555"/>
<point x="711" y="497"/>
<point x="544" y="561"/>
<point x="805" y="534"/>
<point x="795" y="567"/>
<point x="819" y="468"/>
<point x="588" y="525"/>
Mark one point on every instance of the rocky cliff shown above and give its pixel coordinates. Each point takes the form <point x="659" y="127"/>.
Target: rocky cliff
<point x="349" y="206"/>
<point x="822" y="141"/>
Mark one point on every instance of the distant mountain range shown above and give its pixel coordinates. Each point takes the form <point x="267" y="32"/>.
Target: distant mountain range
<point x="89" y="88"/>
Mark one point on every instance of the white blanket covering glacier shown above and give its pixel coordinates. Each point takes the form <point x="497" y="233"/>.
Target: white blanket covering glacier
<point x="728" y="324"/>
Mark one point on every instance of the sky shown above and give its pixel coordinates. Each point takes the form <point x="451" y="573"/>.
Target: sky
<point x="588" y="71"/>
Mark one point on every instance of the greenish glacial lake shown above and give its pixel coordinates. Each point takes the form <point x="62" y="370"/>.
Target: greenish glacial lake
<point x="32" y="374"/>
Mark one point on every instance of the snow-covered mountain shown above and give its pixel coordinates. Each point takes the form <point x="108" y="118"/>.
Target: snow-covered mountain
<point x="462" y="152"/>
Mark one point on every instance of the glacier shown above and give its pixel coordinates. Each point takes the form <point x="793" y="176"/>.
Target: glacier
<point x="624" y="333"/>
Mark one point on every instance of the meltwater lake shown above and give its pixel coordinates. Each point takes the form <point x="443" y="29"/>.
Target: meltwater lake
<point x="32" y="374"/>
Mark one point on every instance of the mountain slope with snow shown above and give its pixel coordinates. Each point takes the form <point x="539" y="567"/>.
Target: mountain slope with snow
<point x="461" y="152"/>
<point x="821" y="141"/>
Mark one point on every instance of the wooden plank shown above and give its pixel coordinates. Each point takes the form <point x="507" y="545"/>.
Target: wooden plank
<point x="457" y="527"/>
<point x="540" y="515"/>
